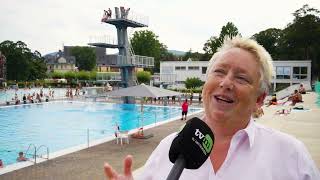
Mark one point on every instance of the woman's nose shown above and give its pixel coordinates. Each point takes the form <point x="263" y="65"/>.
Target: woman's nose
<point x="226" y="82"/>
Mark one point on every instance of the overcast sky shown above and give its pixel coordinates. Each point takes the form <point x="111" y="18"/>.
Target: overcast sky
<point x="45" y="25"/>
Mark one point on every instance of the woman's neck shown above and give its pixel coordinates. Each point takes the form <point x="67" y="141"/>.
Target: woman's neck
<point x="224" y="130"/>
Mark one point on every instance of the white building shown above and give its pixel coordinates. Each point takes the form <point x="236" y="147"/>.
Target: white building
<point x="175" y="73"/>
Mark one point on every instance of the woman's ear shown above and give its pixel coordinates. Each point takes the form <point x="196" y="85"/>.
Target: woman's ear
<point x="260" y="99"/>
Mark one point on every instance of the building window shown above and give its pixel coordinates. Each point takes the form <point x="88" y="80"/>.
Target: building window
<point x="204" y="70"/>
<point x="300" y="72"/>
<point x="283" y="72"/>
<point x="167" y="69"/>
<point x="180" y="68"/>
<point x="193" y="68"/>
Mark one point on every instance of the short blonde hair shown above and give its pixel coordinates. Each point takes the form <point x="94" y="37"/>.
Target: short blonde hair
<point x="263" y="58"/>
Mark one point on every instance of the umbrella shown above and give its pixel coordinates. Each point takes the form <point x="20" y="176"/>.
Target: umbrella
<point x="143" y="90"/>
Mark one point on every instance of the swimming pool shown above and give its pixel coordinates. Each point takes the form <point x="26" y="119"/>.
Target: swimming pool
<point x="62" y="124"/>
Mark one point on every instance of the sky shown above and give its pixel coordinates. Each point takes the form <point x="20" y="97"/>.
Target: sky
<point x="47" y="25"/>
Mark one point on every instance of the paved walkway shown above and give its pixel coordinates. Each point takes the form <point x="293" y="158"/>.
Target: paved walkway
<point x="88" y="163"/>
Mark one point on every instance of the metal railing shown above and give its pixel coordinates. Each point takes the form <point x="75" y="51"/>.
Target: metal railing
<point x="35" y="154"/>
<point x="131" y="15"/>
<point x="103" y="39"/>
<point x="119" y="60"/>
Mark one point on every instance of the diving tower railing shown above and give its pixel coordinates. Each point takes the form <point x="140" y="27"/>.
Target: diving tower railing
<point x="136" y="60"/>
<point x="103" y="39"/>
<point x="132" y="16"/>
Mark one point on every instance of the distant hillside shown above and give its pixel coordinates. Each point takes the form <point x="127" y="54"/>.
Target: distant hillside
<point x="51" y="54"/>
<point x="177" y="53"/>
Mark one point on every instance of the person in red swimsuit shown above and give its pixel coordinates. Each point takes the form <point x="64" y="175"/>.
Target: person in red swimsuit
<point x="185" y="106"/>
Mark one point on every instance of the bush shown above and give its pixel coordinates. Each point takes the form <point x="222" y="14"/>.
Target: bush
<point x="143" y="77"/>
<point x="193" y="83"/>
<point x="83" y="75"/>
<point x="93" y="75"/>
<point x="70" y="75"/>
<point x="56" y="75"/>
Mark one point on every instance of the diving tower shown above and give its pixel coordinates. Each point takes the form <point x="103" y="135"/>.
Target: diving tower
<point x="126" y="60"/>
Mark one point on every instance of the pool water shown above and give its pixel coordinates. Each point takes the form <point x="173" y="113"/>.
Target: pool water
<point x="59" y="125"/>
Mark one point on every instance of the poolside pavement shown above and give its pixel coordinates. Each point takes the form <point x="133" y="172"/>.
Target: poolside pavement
<point x="88" y="163"/>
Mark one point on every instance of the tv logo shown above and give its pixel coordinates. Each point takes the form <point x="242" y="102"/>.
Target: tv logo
<point x="207" y="142"/>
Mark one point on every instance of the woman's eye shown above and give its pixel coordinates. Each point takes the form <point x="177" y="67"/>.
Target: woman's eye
<point x="244" y="79"/>
<point x="220" y="71"/>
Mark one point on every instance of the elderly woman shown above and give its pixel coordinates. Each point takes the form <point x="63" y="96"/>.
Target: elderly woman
<point x="238" y="78"/>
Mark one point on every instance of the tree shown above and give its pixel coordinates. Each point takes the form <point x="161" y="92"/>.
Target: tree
<point x="70" y="75"/>
<point x="187" y="55"/>
<point x="38" y="69"/>
<point x="193" y="82"/>
<point x="56" y="75"/>
<point x="85" y="57"/>
<point x="83" y="75"/>
<point x="143" y="77"/>
<point x="167" y="56"/>
<point x="269" y="39"/>
<point x="146" y="43"/>
<point x="22" y="64"/>
<point x="195" y="56"/>
<point x="301" y="38"/>
<point x="212" y="45"/>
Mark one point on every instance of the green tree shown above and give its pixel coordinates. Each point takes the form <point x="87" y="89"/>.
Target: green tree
<point x="38" y="68"/>
<point x="83" y="75"/>
<point x="93" y="75"/>
<point x="212" y="45"/>
<point x="167" y="56"/>
<point x="70" y="75"/>
<point x="187" y="55"/>
<point x="56" y="75"/>
<point x="302" y="36"/>
<point x="195" y="56"/>
<point x="270" y="40"/>
<point x="22" y="64"/>
<point x="85" y="57"/>
<point x="146" y="43"/>
<point x="143" y="77"/>
<point x="194" y="82"/>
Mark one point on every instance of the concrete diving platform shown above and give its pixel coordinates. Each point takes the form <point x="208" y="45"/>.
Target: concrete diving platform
<point x="104" y="45"/>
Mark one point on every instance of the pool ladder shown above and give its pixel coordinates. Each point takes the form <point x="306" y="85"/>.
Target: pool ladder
<point x="36" y="150"/>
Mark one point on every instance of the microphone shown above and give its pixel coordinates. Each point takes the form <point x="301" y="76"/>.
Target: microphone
<point x="191" y="148"/>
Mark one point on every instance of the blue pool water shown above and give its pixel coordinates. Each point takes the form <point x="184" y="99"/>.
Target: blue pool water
<point x="59" y="125"/>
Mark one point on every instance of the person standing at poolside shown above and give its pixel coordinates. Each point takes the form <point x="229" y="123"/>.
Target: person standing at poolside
<point x="185" y="107"/>
<point x="1" y="164"/>
<point x="191" y="97"/>
<point x="237" y="81"/>
<point x="24" y="98"/>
